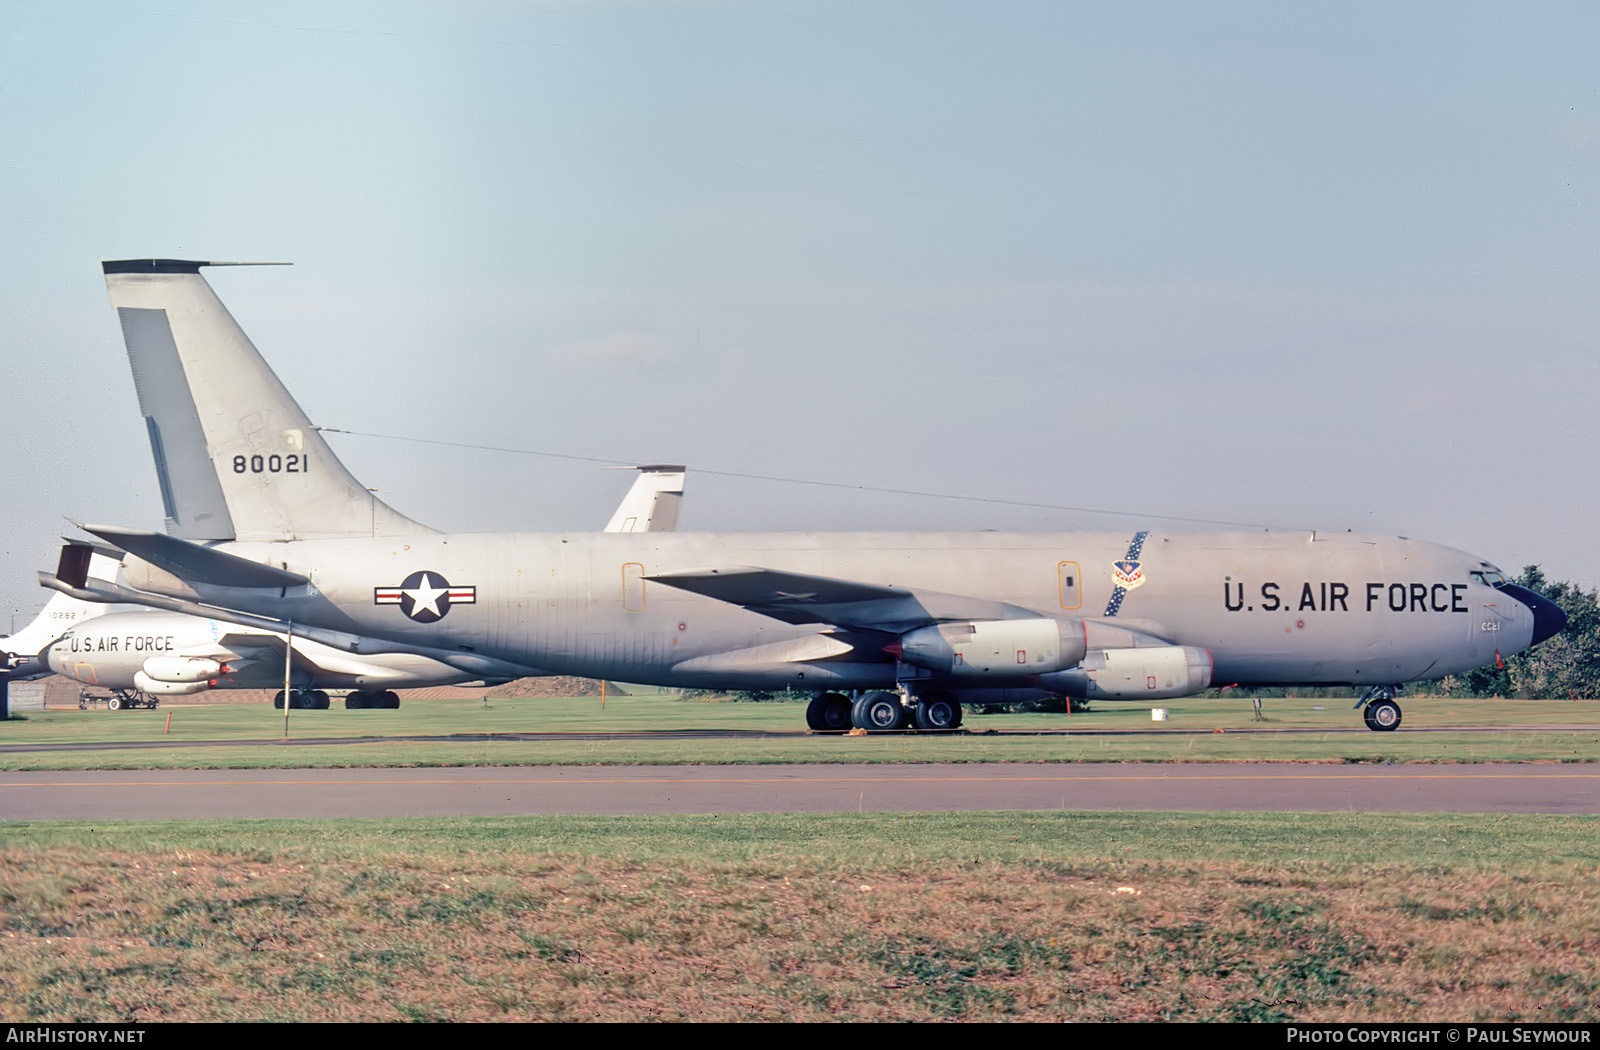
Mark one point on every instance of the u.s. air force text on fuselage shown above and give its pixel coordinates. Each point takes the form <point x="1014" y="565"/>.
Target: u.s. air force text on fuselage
<point x="1333" y="596"/>
<point x="82" y="641"/>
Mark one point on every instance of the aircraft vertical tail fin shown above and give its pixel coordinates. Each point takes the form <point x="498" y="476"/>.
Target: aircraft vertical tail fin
<point x="62" y="612"/>
<point x="652" y="503"/>
<point x="236" y="457"/>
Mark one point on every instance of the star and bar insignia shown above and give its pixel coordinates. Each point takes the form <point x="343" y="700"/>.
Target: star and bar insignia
<point x="425" y="596"/>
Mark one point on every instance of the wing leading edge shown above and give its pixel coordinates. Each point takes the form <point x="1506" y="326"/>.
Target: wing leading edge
<point x="799" y="598"/>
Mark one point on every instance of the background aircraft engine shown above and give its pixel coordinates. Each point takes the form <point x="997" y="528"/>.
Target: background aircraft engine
<point x="145" y="684"/>
<point x="995" y="648"/>
<point x="181" y="669"/>
<point x="1155" y="673"/>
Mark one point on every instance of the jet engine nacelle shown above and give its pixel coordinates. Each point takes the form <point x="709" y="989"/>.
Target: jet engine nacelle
<point x="145" y="684"/>
<point x="180" y="669"/>
<point x="995" y="648"/>
<point x="1156" y="673"/>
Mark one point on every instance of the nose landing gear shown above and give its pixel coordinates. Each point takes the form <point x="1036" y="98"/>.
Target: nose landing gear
<point x="1381" y="712"/>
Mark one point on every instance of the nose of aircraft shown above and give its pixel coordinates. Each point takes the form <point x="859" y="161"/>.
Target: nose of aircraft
<point x="55" y="658"/>
<point x="1548" y="618"/>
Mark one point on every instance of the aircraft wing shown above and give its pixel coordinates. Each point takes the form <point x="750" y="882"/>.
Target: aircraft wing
<point x="266" y="650"/>
<point x="798" y="598"/>
<point x="263" y="655"/>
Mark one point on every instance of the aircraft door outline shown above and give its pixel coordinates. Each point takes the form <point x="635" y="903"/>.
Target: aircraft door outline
<point x="1069" y="582"/>
<point x="632" y="587"/>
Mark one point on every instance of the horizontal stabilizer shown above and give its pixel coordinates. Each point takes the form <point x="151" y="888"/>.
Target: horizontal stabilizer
<point x="192" y="562"/>
<point x="798" y="598"/>
<point x="105" y="550"/>
<point x="103" y="592"/>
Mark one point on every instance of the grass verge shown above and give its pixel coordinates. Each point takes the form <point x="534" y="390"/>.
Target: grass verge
<point x="1456" y="733"/>
<point x="1316" y="917"/>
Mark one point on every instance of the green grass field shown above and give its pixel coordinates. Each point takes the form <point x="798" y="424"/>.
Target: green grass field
<point x="1309" y="734"/>
<point x="1061" y="916"/>
<point x="984" y="916"/>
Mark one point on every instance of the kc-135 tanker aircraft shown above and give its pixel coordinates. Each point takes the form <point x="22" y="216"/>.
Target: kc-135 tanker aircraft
<point x="888" y="629"/>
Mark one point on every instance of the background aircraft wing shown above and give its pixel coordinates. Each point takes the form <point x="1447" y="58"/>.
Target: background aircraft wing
<point x="261" y="657"/>
<point x="798" y="598"/>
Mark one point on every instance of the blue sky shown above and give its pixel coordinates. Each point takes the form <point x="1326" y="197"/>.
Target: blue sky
<point x="1330" y="266"/>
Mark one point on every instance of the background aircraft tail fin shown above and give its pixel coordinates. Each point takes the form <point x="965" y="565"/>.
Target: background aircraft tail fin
<point x="235" y="456"/>
<point x="652" y="504"/>
<point x="62" y="612"/>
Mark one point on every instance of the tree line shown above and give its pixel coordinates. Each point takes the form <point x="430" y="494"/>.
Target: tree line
<point x="1564" y="667"/>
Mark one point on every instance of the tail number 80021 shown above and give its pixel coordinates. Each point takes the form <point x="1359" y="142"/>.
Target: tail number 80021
<point x="273" y="464"/>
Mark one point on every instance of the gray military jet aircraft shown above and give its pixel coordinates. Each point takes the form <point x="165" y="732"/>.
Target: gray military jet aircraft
<point x="888" y="629"/>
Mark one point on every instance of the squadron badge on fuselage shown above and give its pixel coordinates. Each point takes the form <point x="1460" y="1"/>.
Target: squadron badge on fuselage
<point x="425" y="596"/>
<point x="1128" y="574"/>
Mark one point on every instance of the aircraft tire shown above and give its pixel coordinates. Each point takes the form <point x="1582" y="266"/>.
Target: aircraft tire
<point x="388" y="699"/>
<point x="277" y="699"/>
<point x="355" y="701"/>
<point x="114" y="704"/>
<point x="938" y="714"/>
<point x="878" y="712"/>
<point x="1382" y="716"/>
<point x="829" y="713"/>
<point x="318" y="699"/>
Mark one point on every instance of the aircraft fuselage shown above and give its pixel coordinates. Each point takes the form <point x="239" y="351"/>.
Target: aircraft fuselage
<point x="1278" y="607"/>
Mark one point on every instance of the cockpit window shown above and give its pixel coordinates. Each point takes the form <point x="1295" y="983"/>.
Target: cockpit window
<point x="1489" y="577"/>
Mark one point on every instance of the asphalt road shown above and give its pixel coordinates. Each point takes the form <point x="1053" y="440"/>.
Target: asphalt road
<point x="733" y="734"/>
<point x="475" y="791"/>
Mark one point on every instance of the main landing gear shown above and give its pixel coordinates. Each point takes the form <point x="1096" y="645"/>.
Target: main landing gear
<point x="302" y="700"/>
<point x="361" y="698"/>
<point x="1381" y="712"/>
<point x="317" y="700"/>
<point x="829" y="713"/>
<point x="880" y="711"/>
<point x="119" y="700"/>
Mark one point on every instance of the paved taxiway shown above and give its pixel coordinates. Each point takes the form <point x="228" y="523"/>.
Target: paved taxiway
<point x="734" y="734"/>
<point x="488" y="791"/>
